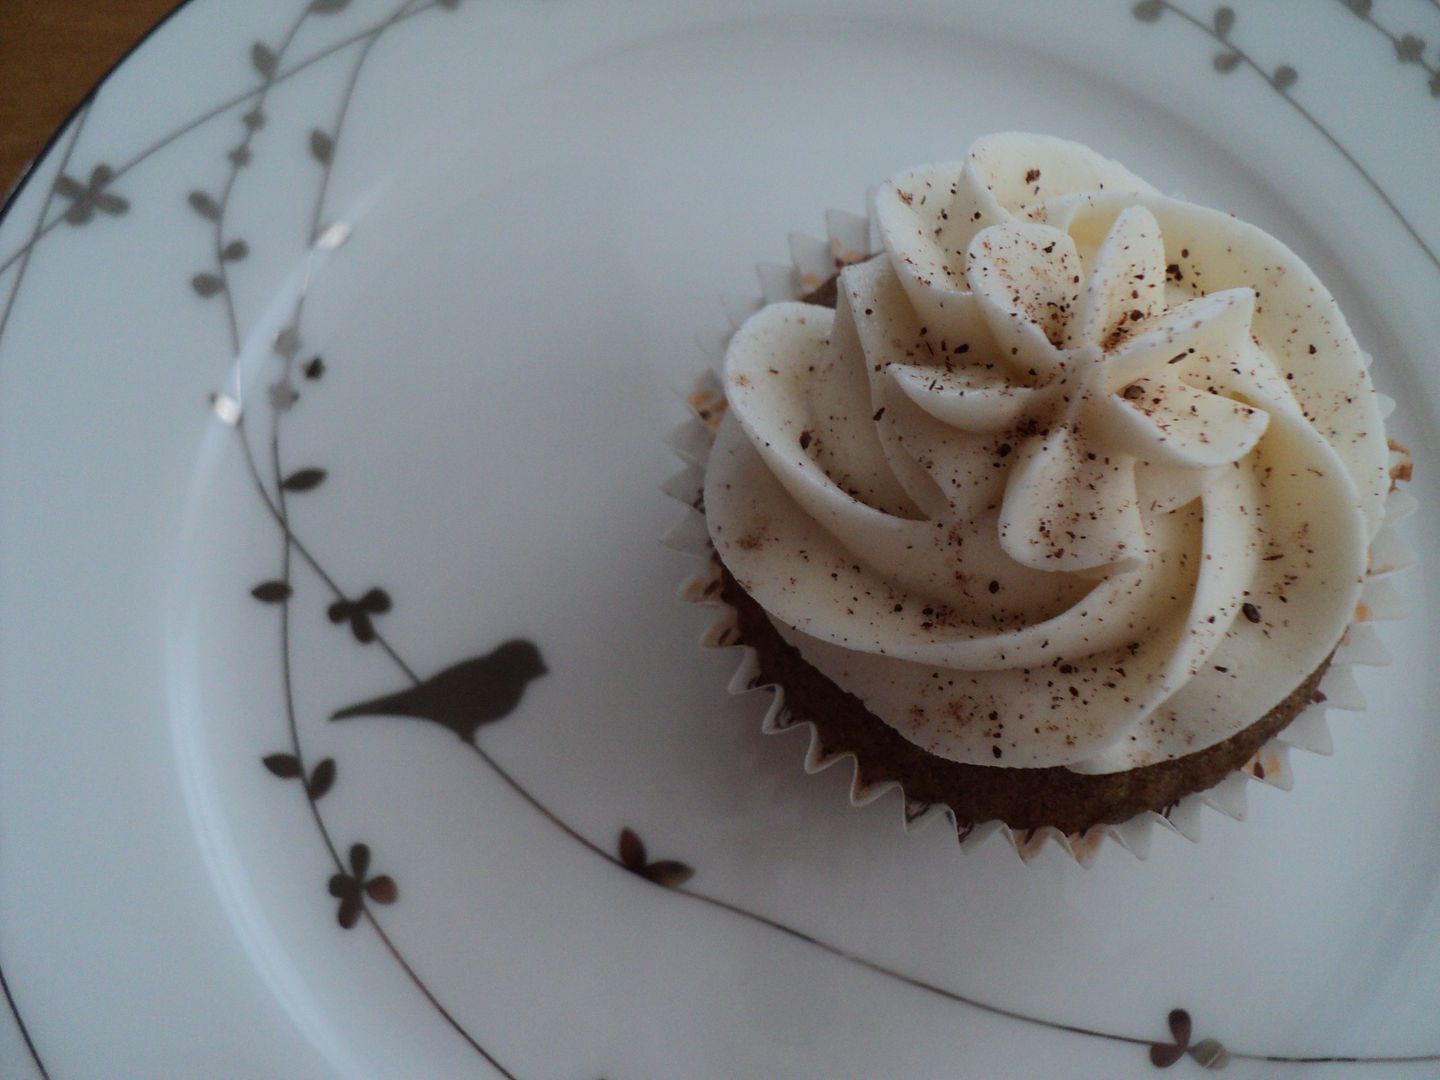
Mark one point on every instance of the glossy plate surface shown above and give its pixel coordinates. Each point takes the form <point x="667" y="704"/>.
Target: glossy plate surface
<point x="420" y="282"/>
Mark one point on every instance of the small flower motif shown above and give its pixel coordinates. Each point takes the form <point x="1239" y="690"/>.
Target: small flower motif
<point x="358" y="612"/>
<point x="1207" y="1053"/>
<point x="669" y="873"/>
<point x="89" y="197"/>
<point x="354" y="888"/>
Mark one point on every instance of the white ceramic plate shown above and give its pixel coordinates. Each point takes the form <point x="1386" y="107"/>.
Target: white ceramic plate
<point x="501" y="227"/>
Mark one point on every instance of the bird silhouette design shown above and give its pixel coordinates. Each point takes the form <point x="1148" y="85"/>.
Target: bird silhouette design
<point x="467" y="696"/>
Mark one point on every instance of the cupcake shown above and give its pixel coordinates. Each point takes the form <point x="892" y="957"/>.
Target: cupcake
<point x="1054" y="512"/>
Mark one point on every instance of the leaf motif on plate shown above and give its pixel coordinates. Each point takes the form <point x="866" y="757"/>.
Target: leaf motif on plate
<point x="205" y="205"/>
<point x="322" y="779"/>
<point x="322" y="146"/>
<point x="1163" y="1055"/>
<point x="631" y="850"/>
<point x="272" y="592"/>
<point x="382" y="889"/>
<point x="305" y="480"/>
<point x="207" y="284"/>
<point x="668" y="873"/>
<point x="1181" y="1026"/>
<point x="1209" y="1054"/>
<point x="80" y="210"/>
<point x="263" y="58"/>
<point x="285" y="766"/>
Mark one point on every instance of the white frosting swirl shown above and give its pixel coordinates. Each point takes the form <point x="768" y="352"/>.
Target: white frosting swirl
<point x="1076" y="474"/>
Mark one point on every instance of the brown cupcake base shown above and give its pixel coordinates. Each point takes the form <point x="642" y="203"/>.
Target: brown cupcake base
<point x="1022" y="798"/>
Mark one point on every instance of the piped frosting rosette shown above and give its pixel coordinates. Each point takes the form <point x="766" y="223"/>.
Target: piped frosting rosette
<point x="1075" y="474"/>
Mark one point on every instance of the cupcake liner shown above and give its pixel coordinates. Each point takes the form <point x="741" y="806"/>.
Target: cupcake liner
<point x="849" y="237"/>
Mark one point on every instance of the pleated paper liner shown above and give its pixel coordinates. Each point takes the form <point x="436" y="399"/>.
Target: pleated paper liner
<point x="813" y="262"/>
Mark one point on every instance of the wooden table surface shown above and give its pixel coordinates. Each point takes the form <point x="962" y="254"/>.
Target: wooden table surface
<point x="51" y="53"/>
